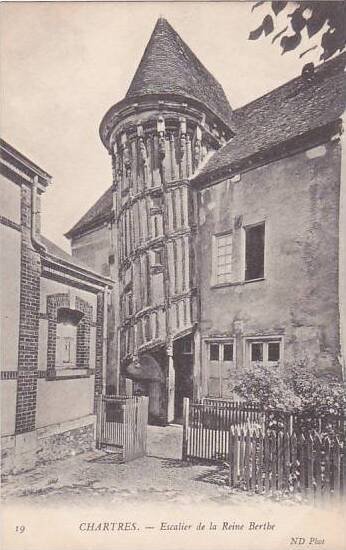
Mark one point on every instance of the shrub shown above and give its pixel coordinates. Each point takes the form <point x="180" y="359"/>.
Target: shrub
<point x="323" y="395"/>
<point x="267" y="386"/>
<point x="293" y="387"/>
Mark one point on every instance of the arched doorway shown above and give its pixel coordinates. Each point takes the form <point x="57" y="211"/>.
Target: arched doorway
<point x="148" y="379"/>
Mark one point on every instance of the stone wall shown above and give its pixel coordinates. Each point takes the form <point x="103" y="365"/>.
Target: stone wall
<point x="297" y="299"/>
<point x="93" y="248"/>
<point x="25" y="451"/>
<point x="7" y="455"/>
<point x="69" y="443"/>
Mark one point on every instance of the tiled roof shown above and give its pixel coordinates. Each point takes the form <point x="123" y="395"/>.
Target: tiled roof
<point x="299" y="106"/>
<point x="169" y="66"/>
<point x="98" y="213"/>
<point x="294" y="109"/>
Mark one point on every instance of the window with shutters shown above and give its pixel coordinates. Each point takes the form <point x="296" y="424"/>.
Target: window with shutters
<point x="222" y="259"/>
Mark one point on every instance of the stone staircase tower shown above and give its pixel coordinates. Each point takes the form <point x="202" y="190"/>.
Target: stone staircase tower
<point x="174" y="115"/>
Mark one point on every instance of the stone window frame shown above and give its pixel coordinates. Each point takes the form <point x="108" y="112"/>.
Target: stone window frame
<point x="82" y="368"/>
<point x="66" y="338"/>
<point x="265" y="340"/>
<point x="246" y="229"/>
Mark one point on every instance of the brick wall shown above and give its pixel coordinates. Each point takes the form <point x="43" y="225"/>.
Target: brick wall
<point x="99" y="346"/>
<point x="83" y="334"/>
<point x="54" y="301"/>
<point x="59" y="300"/>
<point x="29" y="322"/>
<point x="67" y="443"/>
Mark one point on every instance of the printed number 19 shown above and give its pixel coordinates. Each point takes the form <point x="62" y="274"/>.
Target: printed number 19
<point x="20" y="528"/>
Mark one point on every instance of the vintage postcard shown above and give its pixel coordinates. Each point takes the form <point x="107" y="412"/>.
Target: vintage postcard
<point x="173" y="284"/>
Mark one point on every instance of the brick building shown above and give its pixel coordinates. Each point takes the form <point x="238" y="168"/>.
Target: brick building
<point x="223" y="229"/>
<point x="52" y="328"/>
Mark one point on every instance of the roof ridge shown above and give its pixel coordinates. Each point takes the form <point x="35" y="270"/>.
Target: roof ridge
<point x="54" y="249"/>
<point x="322" y="67"/>
<point x="299" y="107"/>
<point x="92" y="213"/>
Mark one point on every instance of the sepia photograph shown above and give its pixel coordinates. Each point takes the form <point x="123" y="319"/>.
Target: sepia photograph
<point x="173" y="275"/>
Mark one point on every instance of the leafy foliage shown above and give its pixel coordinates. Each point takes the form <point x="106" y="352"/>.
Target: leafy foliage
<point x="312" y="16"/>
<point x="267" y="386"/>
<point x="323" y="396"/>
<point x="293" y="388"/>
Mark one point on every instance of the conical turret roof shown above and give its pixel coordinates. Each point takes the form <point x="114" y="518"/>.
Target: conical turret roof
<point x="168" y="66"/>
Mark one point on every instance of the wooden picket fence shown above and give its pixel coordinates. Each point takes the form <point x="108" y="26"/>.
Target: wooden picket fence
<point x="277" y="461"/>
<point x="231" y="412"/>
<point x="122" y="423"/>
<point x="243" y="412"/>
<point x="206" y="426"/>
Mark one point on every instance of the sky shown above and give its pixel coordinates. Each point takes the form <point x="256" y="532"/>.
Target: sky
<point x="64" y="64"/>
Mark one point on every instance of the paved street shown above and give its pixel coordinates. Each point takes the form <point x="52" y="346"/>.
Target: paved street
<point x="160" y="476"/>
<point x="99" y="476"/>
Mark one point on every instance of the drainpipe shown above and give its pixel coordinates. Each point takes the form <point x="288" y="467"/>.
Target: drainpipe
<point x="105" y="339"/>
<point x="35" y="239"/>
<point x="117" y="390"/>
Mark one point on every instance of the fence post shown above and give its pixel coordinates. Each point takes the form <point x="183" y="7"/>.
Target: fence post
<point x="336" y="454"/>
<point x="125" y="434"/>
<point x="235" y="457"/>
<point x="98" y="421"/>
<point x="310" y="465"/>
<point x="291" y="425"/>
<point x="294" y="464"/>
<point x="247" y="458"/>
<point x="286" y="470"/>
<point x="231" y="456"/>
<point x="186" y="404"/>
<point x="327" y="473"/>
<point x="145" y="422"/>
<point x="318" y="466"/>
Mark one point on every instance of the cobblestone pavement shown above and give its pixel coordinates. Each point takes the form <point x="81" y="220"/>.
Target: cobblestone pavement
<point x="160" y="476"/>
